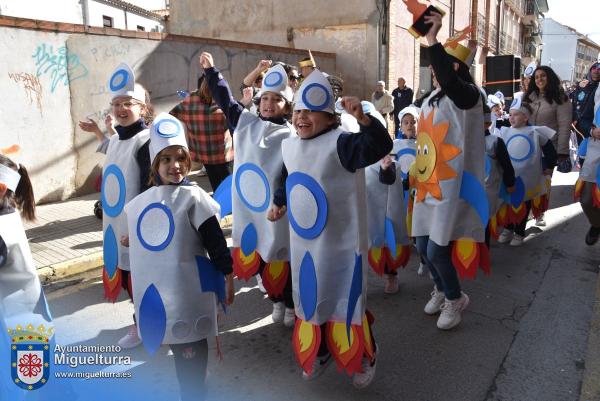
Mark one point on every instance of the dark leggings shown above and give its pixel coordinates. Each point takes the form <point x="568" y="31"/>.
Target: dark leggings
<point x="520" y="228"/>
<point x="190" y="368"/>
<point x="217" y="173"/>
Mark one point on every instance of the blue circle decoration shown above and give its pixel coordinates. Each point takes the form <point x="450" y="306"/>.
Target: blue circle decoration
<point x="528" y="71"/>
<point x="117" y="208"/>
<point x="110" y="251"/>
<point x="166" y="242"/>
<point x="402" y="152"/>
<point x="529" y="153"/>
<point x="120" y="73"/>
<point x="169" y="122"/>
<point x="238" y="174"/>
<point x="308" y="103"/>
<point x="366" y="107"/>
<point x="318" y="193"/>
<point x="273" y="78"/>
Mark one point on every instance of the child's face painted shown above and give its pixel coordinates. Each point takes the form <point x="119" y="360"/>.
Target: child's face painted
<point x="408" y="125"/>
<point x="517" y="119"/>
<point x="126" y="110"/>
<point x="310" y="123"/>
<point x="271" y="105"/>
<point x="172" y="166"/>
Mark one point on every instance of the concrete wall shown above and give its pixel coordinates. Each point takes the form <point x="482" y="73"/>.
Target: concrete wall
<point x="56" y="79"/>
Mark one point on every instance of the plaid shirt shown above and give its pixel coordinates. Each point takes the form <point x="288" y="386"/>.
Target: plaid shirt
<point x="208" y="138"/>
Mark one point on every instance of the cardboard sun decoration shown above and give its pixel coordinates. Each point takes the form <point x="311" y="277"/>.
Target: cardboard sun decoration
<point x="308" y="63"/>
<point x="457" y="50"/>
<point x="420" y="11"/>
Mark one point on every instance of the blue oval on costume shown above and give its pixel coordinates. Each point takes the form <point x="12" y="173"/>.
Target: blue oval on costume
<point x="355" y="291"/>
<point x="318" y="194"/>
<point x="152" y="319"/>
<point x="598" y="175"/>
<point x="116" y="85"/>
<point x="390" y="236"/>
<point x="117" y="208"/>
<point x="474" y="194"/>
<point x="254" y="168"/>
<point x="323" y="92"/>
<point x="529" y="142"/>
<point x="167" y="240"/>
<point x="167" y="128"/>
<point x="110" y="249"/>
<point x="597" y="118"/>
<point x="274" y="78"/>
<point x="488" y="166"/>
<point x="308" y="286"/>
<point x="249" y="240"/>
<point x="582" y="151"/>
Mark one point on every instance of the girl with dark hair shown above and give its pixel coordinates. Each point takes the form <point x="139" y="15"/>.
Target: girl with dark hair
<point x="551" y="108"/>
<point x="21" y="197"/>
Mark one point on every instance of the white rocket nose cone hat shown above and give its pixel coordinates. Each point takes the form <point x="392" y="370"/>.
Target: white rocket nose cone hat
<point x="315" y="94"/>
<point x="276" y="81"/>
<point x="166" y="131"/>
<point x="530" y="69"/>
<point x="122" y="83"/>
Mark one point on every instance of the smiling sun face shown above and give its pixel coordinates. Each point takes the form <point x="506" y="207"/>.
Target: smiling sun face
<point x="432" y="155"/>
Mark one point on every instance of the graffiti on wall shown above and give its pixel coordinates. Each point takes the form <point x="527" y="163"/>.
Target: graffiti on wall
<point x="61" y="66"/>
<point x="32" y="86"/>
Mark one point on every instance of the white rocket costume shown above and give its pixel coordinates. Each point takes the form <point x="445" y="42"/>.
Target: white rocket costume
<point x="493" y="174"/>
<point x="175" y="285"/>
<point x="256" y="175"/>
<point x="120" y="182"/>
<point x="589" y="149"/>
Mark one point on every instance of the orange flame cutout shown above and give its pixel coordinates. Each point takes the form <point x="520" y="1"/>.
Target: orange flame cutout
<point x="112" y="285"/>
<point x="517" y="214"/>
<point x="539" y="205"/>
<point x="306" y="341"/>
<point x="595" y="195"/>
<point x="502" y="216"/>
<point x="578" y="188"/>
<point x="368" y="340"/>
<point x="415" y="8"/>
<point x="377" y="260"/>
<point x="494" y="231"/>
<point x="468" y="256"/>
<point x="244" y="266"/>
<point x="10" y="150"/>
<point x="458" y="36"/>
<point x="275" y="277"/>
<point x="346" y="351"/>
<point x="401" y="259"/>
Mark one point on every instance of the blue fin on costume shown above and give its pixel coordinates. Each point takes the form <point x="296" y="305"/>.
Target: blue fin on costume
<point x="223" y="196"/>
<point x="406" y="200"/>
<point x="598" y="175"/>
<point x="152" y="319"/>
<point x="516" y="198"/>
<point x="390" y="236"/>
<point x="597" y="118"/>
<point x="355" y="292"/>
<point x="582" y="150"/>
<point x="111" y="251"/>
<point x="474" y="194"/>
<point x="211" y="279"/>
<point x="308" y="286"/>
<point x="249" y="239"/>
<point x="488" y="166"/>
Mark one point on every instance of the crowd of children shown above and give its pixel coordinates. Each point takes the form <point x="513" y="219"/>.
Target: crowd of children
<point x="320" y="192"/>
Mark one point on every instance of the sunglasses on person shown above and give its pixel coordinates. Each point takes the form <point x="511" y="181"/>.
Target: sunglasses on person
<point x="293" y="78"/>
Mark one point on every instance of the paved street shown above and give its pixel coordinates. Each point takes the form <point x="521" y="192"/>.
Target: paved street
<point x="524" y="336"/>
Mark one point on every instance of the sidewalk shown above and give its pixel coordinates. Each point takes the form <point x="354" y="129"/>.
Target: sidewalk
<point x="66" y="238"/>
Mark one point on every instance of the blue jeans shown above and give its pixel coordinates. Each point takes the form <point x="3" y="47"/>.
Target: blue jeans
<point x="439" y="261"/>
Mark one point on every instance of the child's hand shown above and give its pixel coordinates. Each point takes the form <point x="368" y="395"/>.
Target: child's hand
<point x="206" y="60"/>
<point x="510" y="190"/>
<point x="264" y="65"/>
<point x="90" y="126"/>
<point x="353" y="107"/>
<point x="125" y="240"/>
<point x="435" y="19"/>
<point x="548" y="171"/>
<point x="3" y="189"/>
<point x="596" y="133"/>
<point x="386" y="162"/>
<point x="247" y="98"/>
<point x="108" y="122"/>
<point x="276" y="212"/>
<point x="229" y="290"/>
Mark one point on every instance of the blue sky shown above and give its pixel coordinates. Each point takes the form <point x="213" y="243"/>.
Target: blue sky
<point x="582" y="15"/>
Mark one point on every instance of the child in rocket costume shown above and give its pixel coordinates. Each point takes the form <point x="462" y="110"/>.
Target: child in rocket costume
<point x="587" y="187"/>
<point x="173" y="227"/>
<point x="387" y="203"/>
<point x="533" y="157"/>
<point x="259" y="246"/>
<point x="325" y="196"/>
<point x="25" y="321"/>
<point x="450" y="211"/>
<point x="499" y="173"/>
<point x="124" y="176"/>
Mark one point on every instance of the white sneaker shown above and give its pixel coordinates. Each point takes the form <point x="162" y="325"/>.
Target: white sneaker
<point x="131" y="339"/>
<point x="435" y="303"/>
<point x="289" y="317"/>
<point x="451" y="312"/>
<point x="278" y="312"/>
<point x="540" y="221"/>
<point x="422" y="269"/>
<point x="505" y="236"/>
<point x="261" y="287"/>
<point x="517" y="240"/>
<point x="362" y="380"/>
<point x="319" y="366"/>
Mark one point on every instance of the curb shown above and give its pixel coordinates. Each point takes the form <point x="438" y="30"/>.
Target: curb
<point x="590" y="388"/>
<point x="71" y="267"/>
